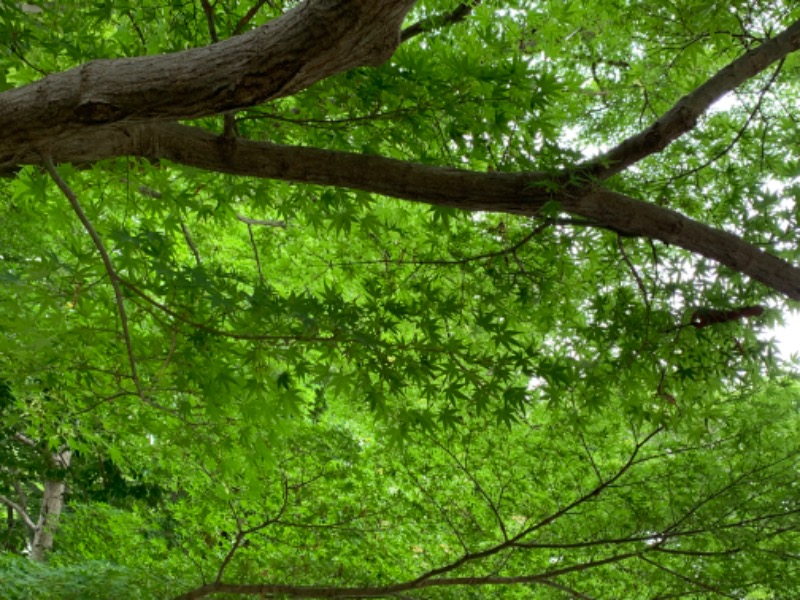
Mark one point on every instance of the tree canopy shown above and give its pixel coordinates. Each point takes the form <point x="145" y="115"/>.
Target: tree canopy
<point x="396" y="298"/>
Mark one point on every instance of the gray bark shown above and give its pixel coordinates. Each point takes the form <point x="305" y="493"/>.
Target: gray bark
<point x="52" y="506"/>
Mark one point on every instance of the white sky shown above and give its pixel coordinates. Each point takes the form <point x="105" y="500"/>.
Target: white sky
<point x="788" y="336"/>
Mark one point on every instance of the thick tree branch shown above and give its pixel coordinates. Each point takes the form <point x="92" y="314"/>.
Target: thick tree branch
<point x="682" y="117"/>
<point x="92" y="112"/>
<point x="634" y="217"/>
<point x="315" y="40"/>
<point x="514" y="193"/>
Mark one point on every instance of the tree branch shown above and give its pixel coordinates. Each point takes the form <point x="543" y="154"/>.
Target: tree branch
<point x="311" y="42"/>
<point x="250" y="14"/>
<point x="109" y="266"/>
<point x="254" y="246"/>
<point x="69" y="114"/>
<point x="242" y="533"/>
<point x="461" y="12"/>
<point x="517" y="540"/>
<point x="684" y="115"/>
<point x="692" y="581"/>
<point x="739" y="134"/>
<point x="261" y="222"/>
<point x="21" y="437"/>
<point x="513" y="193"/>
<point x="212" y="26"/>
<point x="299" y="591"/>
<point x="637" y="218"/>
<point x="187" y="235"/>
<point x="20" y="511"/>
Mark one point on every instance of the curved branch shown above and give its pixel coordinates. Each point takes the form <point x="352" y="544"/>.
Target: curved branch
<point x="20" y="511"/>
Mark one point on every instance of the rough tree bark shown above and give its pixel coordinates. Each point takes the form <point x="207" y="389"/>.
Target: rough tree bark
<point x="128" y="107"/>
<point x="315" y="40"/>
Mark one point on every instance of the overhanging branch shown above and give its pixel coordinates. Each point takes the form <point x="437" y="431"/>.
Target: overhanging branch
<point x="107" y="109"/>
<point x="513" y="193"/>
<point x="682" y="117"/>
<point x="311" y="42"/>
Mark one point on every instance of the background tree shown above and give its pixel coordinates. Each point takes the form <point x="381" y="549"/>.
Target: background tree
<point x="520" y="378"/>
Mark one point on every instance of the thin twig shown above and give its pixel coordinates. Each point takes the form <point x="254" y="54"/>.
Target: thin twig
<point x="455" y="261"/>
<point x="261" y="222"/>
<point x="229" y="334"/>
<point x="326" y="123"/>
<point x="255" y="252"/>
<point x="635" y="273"/>
<point x="690" y="580"/>
<point x="462" y="465"/>
<point x="22" y="497"/>
<point x="187" y="235"/>
<point x="137" y="29"/>
<point x="560" y="586"/>
<point x="461" y="12"/>
<point x="250" y="14"/>
<point x="242" y="533"/>
<point x="112" y="273"/>
<point x="212" y="28"/>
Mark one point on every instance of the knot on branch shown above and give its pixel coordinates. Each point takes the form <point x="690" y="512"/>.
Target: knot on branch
<point x="95" y="113"/>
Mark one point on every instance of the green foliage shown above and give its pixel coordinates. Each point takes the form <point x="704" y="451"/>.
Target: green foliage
<point x="365" y="390"/>
<point x="87" y="580"/>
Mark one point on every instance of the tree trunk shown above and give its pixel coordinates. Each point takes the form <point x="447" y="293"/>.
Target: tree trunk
<point x="52" y="505"/>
